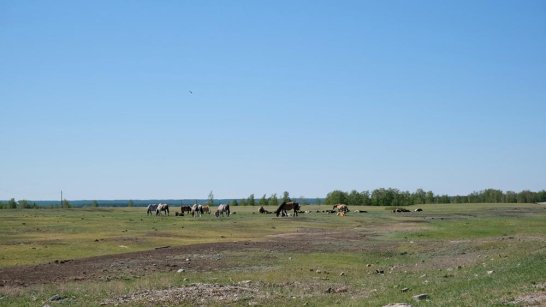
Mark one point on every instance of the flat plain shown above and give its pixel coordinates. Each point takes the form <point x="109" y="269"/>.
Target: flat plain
<point x="458" y="255"/>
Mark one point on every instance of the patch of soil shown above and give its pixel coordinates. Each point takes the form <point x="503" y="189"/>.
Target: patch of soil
<point x="531" y="299"/>
<point x="399" y="226"/>
<point x="161" y="234"/>
<point x="121" y="239"/>
<point x="320" y="235"/>
<point x="195" y="294"/>
<point x="165" y="259"/>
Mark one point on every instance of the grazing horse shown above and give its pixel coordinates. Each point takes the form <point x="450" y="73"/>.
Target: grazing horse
<point x="151" y="208"/>
<point x="162" y="207"/>
<point x="184" y="209"/>
<point x="196" y="209"/>
<point x="342" y="209"/>
<point x="206" y="209"/>
<point x="285" y="206"/>
<point x="222" y="208"/>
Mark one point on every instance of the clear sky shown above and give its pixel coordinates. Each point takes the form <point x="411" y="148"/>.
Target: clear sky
<point x="298" y="96"/>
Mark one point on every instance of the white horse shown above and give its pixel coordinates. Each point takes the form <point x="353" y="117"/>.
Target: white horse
<point x="196" y="210"/>
<point x="222" y="208"/>
<point x="162" y="207"/>
<point x="151" y="208"/>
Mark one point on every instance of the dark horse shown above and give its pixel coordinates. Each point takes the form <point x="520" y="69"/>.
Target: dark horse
<point x="151" y="208"/>
<point x="184" y="209"/>
<point x="285" y="206"/>
<point x="263" y="210"/>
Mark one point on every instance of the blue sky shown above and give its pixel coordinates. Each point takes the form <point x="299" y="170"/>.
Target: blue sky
<point x="298" y="96"/>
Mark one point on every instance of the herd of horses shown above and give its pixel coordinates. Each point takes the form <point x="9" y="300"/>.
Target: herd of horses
<point x="194" y="210"/>
<point x="198" y="209"/>
<point x="282" y="210"/>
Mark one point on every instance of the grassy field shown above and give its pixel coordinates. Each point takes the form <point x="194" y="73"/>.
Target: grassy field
<point x="460" y="255"/>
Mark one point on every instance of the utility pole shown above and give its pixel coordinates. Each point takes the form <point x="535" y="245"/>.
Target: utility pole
<point x="61" y="198"/>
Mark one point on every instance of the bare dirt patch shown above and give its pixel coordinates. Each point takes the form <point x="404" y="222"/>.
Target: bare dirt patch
<point x="310" y="234"/>
<point x="194" y="294"/>
<point x="399" y="226"/>
<point x="166" y="259"/>
<point x="531" y="299"/>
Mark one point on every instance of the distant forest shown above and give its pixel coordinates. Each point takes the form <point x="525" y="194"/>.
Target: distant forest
<point x="395" y="197"/>
<point x="377" y="197"/>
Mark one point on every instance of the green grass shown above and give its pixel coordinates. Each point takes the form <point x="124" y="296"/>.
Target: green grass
<point x="42" y="235"/>
<point x="445" y="251"/>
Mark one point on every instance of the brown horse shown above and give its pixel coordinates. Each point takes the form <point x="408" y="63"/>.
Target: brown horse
<point x="285" y="206"/>
<point x="185" y="208"/>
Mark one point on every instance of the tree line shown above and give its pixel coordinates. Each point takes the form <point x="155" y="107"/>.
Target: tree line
<point x="272" y="200"/>
<point x="395" y="197"/>
<point x="25" y="204"/>
<point x="377" y="197"/>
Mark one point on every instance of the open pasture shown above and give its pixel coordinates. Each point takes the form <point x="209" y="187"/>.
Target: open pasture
<point x="459" y="255"/>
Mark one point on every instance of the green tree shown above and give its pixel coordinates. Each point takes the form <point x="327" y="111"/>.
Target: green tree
<point x="94" y="204"/>
<point x="510" y="197"/>
<point x="366" y="198"/>
<point x="355" y="199"/>
<point x="210" y="200"/>
<point x="23" y="204"/>
<point x="336" y="197"/>
<point x="399" y="198"/>
<point x="286" y="197"/>
<point x="234" y="203"/>
<point x="382" y="197"/>
<point x="66" y="204"/>
<point x="419" y="196"/>
<point x="251" y="201"/>
<point x="263" y="201"/>
<point x="130" y="203"/>
<point x="390" y="197"/>
<point x="273" y="200"/>
<point x="459" y="199"/>
<point x="444" y="199"/>
<point x="541" y="196"/>
<point x="407" y="198"/>
<point x="429" y="197"/>
<point x="395" y="197"/>
<point x="12" y="204"/>
<point x="492" y="196"/>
